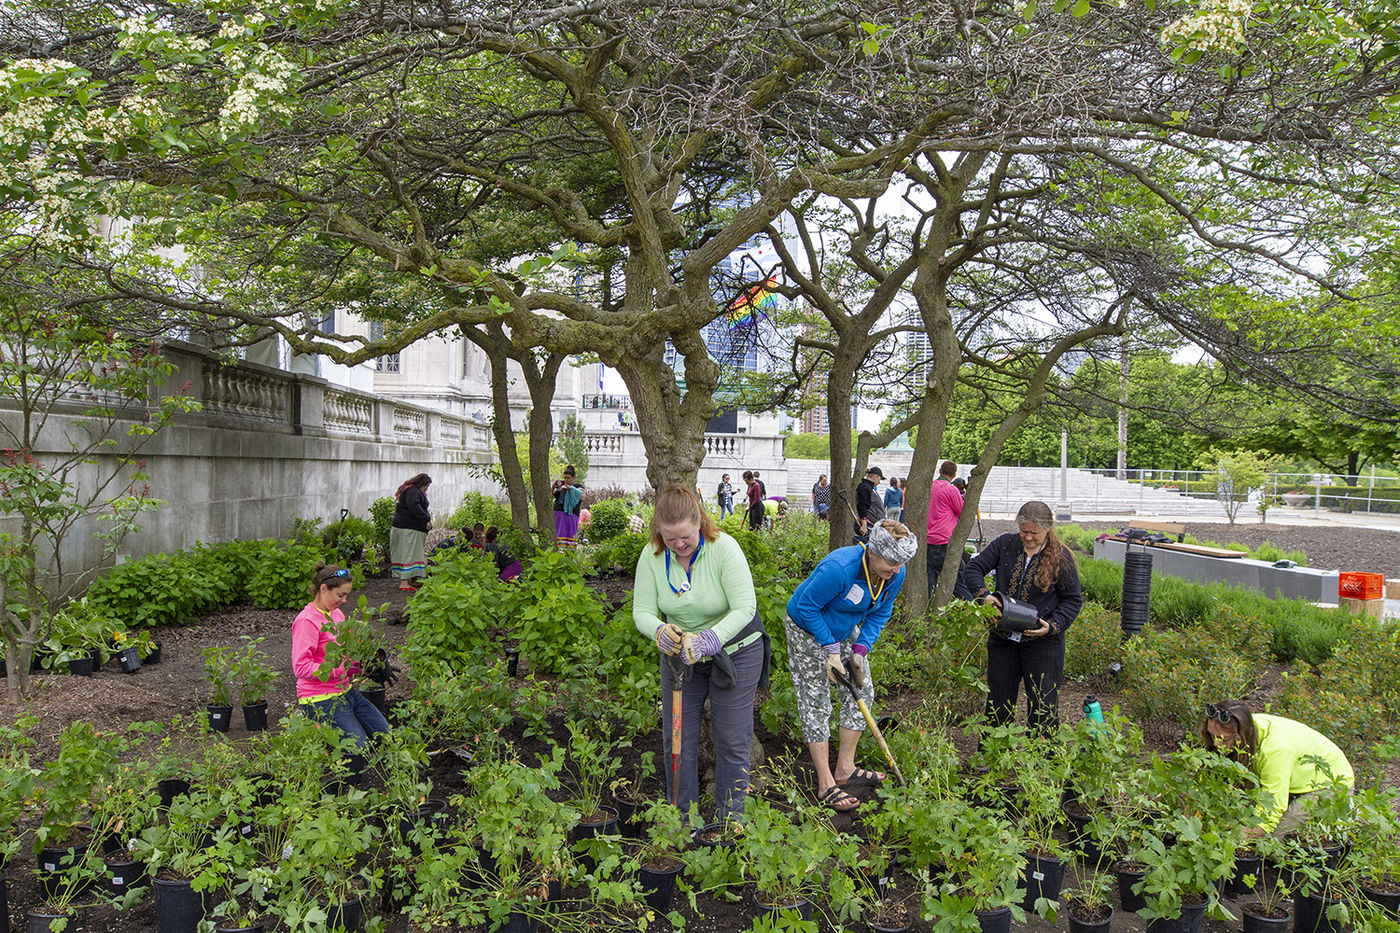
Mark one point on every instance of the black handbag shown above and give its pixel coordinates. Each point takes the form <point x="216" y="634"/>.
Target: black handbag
<point x="1016" y="616"/>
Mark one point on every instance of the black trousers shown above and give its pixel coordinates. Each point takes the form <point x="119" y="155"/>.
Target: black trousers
<point x="1039" y="663"/>
<point x="756" y="516"/>
<point x="934" y="555"/>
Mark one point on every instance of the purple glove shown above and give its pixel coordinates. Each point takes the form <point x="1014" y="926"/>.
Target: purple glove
<point x="699" y="646"/>
<point x="668" y="639"/>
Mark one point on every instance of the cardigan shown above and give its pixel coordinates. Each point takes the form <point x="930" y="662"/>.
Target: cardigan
<point x="1058" y="605"/>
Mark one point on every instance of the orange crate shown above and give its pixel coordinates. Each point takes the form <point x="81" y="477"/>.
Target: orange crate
<point x="1353" y="585"/>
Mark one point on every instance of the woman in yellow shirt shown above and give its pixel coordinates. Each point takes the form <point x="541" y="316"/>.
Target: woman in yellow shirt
<point x="1290" y="759"/>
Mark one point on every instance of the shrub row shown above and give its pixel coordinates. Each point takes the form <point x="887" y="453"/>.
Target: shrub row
<point x="1301" y="631"/>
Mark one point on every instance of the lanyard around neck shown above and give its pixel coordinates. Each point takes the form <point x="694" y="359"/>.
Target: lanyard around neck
<point x="874" y="592"/>
<point x="685" y="587"/>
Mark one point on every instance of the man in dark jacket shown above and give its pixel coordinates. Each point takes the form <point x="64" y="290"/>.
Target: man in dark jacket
<point x="869" y="507"/>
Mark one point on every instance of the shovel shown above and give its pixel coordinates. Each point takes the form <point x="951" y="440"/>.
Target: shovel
<point x="680" y="673"/>
<point x="845" y="681"/>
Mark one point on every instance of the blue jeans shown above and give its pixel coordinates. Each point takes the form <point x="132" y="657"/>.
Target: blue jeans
<point x="352" y="714"/>
<point x="726" y="507"/>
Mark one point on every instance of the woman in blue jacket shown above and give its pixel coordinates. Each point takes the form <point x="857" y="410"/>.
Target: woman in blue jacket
<point x="833" y="619"/>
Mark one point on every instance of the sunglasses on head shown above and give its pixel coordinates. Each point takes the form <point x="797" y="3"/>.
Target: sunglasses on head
<point x="342" y="572"/>
<point x="1219" y="713"/>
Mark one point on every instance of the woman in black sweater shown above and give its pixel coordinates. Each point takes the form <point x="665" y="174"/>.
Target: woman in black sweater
<point x="408" y="532"/>
<point x="1035" y="567"/>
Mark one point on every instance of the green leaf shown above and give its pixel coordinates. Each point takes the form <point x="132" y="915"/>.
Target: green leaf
<point x="1080" y="8"/>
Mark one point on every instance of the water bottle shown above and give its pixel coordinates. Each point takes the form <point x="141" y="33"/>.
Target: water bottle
<point x="1092" y="710"/>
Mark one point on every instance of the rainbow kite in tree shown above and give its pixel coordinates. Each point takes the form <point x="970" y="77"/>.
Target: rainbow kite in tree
<point x="743" y="311"/>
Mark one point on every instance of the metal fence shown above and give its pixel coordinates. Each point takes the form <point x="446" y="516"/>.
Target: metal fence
<point x="1366" y="492"/>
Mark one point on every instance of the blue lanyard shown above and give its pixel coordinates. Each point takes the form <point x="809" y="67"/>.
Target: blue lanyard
<point x="685" y="587"/>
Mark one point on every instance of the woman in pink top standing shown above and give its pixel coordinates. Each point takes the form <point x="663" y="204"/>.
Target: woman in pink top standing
<point x="331" y="699"/>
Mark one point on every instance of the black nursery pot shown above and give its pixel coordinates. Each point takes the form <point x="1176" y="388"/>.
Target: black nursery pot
<point x="802" y="908"/>
<point x="1245" y="865"/>
<point x="255" y="716"/>
<point x="1310" y="915"/>
<point x="170" y="788"/>
<point x="1257" y="923"/>
<point x="53" y="864"/>
<point x="154" y="656"/>
<point x="349" y="916"/>
<point x="38" y="921"/>
<point x="123" y="874"/>
<point x="512" y="661"/>
<point x="220" y="718"/>
<point x="1044" y="877"/>
<point x="81" y="667"/>
<point x="658" y="885"/>
<point x="995" y="921"/>
<point x="1090" y="926"/>
<point x="255" y="928"/>
<point x="178" y="907"/>
<point x="130" y="660"/>
<point x="1390" y="900"/>
<point x="515" y="923"/>
<point x="4" y="902"/>
<point x="1127" y="877"/>
<point x="1188" y="921"/>
<point x="376" y="696"/>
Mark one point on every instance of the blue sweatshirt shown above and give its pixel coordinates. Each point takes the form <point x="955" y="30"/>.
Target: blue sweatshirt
<point x="835" y="599"/>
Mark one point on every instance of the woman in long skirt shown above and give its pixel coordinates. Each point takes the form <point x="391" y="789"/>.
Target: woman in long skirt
<point x="408" y="532"/>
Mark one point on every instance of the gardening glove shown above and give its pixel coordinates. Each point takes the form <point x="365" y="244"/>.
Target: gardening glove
<point x="697" y="646"/>
<point x="835" y="667"/>
<point x="383" y="672"/>
<point x="858" y="665"/>
<point x="668" y="639"/>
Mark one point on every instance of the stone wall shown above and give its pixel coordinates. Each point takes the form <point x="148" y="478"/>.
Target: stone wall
<point x="270" y="445"/>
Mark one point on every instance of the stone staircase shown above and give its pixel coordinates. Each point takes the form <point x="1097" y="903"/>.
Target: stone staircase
<point x="1008" y="487"/>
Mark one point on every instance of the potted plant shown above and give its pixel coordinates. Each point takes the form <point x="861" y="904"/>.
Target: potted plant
<point x="1089" y="902"/>
<point x="591" y="762"/>
<point x="787" y="860"/>
<point x="629" y="794"/>
<point x="1040" y="817"/>
<point x="86" y="759"/>
<point x="980" y="892"/>
<point x="182" y="855"/>
<point x="124" y="806"/>
<point x="218" y="670"/>
<point x="62" y="894"/>
<point x="360" y="648"/>
<point x="1373" y="853"/>
<point x="255" y="675"/>
<point x="659" y="856"/>
<point x="78" y="638"/>
<point x="1270" y="909"/>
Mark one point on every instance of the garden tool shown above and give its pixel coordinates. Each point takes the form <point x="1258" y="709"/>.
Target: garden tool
<point x="344" y="514"/>
<point x="680" y="673"/>
<point x="845" y="681"/>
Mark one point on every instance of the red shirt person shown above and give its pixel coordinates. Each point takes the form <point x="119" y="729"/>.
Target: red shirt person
<point x="945" y="505"/>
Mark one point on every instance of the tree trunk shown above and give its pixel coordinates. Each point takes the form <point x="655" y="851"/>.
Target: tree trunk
<point x="843" y="479"/>
<point x="504" y="432"/>
<point x="1123" y="362"/>
<point x="541" y="384"/>
<point x="671" y="423"/>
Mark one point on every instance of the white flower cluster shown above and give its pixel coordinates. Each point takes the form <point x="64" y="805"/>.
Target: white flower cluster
<point x="138" y="34"/>
<point x="62" y="209"/>
<point x="1219" y="27"/>
<point x="266" y="76"/>
<point x="134" y="116"/>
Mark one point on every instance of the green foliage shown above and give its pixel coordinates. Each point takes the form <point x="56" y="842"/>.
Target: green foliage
<point x="454" y="614"/>
<point x="1300" y="630"/>
<point x="1351" y="692"/>
<point x="557" y="616"/>
<point x="348" y="538"/>
<point x="807" y="446"/>
<point x="1236" y="474"/>
<point x="1092" y="643"/>
<point x="610" y="517"/>
<point x="381" y="513"/>
<point x="620" y="554"/>
<point x="1170" y="674"/>
<point x="799" y="542"/>
<point x="1077" y="537"/>
<point x="476" y="507"/>
<point x="281" y="574"/>
<point x="156" y="590"/>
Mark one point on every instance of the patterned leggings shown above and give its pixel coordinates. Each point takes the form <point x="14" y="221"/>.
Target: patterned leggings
<point x="807" y="659"/>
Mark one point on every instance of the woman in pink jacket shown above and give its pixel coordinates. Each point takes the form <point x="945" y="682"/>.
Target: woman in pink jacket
<point x="331" y="699"/>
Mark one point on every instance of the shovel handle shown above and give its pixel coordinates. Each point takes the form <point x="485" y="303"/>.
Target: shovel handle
<point x="845" y="681"/>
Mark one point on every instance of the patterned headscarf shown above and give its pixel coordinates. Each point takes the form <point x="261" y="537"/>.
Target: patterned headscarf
<point x="895" y="550"/>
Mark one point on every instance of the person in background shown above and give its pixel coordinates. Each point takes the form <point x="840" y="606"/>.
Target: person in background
<point x="945" y="504"/>
<point x="774" y="508"/>
<point x="507" y="567"/>
<point x="869" y="508"/>
<point x="834" y="618"/>
<point x="894" y="500"/>
<point x="1290" y="760"/>
<point x="762" y="489"/>
<point x="821" y="497"/>
<point x="1035" y="567"/>
<point x="408" y="532"/>
<point x="754" y="501"/>
<point x="636" y="524"/>
<point x="568" y="498"/>
<point x="330" y="698"/>
<point x="694" y="598"/>
<point x="479" y="536"/>
<point x="725" y="495"/>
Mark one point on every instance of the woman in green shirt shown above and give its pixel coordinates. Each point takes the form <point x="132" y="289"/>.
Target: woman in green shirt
<point x="1290" y="759"/>
<point x="694" y="599"/>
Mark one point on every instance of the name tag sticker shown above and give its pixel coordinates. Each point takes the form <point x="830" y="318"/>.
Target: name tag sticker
<point x="855" y="595"/>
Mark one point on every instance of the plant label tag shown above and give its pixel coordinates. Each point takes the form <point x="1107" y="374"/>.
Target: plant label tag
<point x="49" y="866"/>
<point x="855" y="594"/>
<point x="1014" y="636"/>
<point x="116" y="879"/>
<point x="1038" y="875"/>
